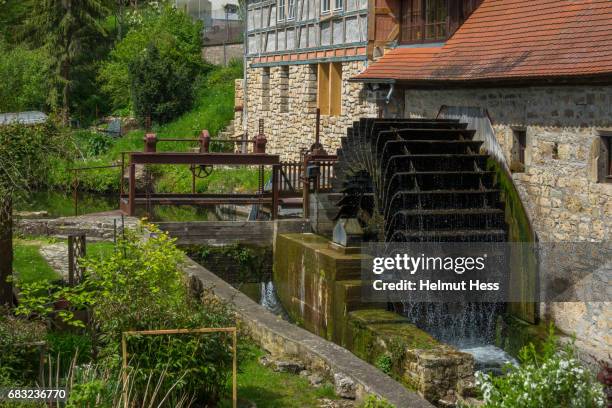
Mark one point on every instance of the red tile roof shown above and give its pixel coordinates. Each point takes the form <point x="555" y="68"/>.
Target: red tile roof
<point x="511" y="39"/>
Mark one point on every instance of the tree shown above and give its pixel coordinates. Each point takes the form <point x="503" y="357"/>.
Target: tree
<point x="161" y="89"/>
<point x="175" y="35"/>
<point x="62" y="26"/>
<point x="24" y="157"/>
<point x="24" y="78"/>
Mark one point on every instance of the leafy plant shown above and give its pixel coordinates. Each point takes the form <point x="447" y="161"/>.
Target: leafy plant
<point x="551" y="378"/>
<point x="140" y="286"/>
<point x="97" y="144"/>
<point x="20" y="342"/>
<point x="372" y="401"/>
<point x="384" y="363"/>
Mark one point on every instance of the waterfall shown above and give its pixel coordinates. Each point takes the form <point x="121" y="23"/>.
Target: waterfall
<point x="270" y="300"/>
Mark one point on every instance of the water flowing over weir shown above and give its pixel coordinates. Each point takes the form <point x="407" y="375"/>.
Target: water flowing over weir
<point x="424" y="180"/>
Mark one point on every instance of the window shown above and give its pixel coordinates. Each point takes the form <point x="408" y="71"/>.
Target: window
<point x="433" y="20"/>
<point x="338" y="4"/>
<point x="325" y="6"/>
<point x="519" y="146"/>
<point x="604" y="162"/>
<point x="280" y="10"/>
<point x="284" y="88"/>
<point x="329" y="88"/>
<point x="290" y="9"/>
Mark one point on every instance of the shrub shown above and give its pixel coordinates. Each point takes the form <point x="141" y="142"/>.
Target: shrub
<point x="98" y="144"/>
<point x="140" y="286"/>
<point x="161" y="88"/>
<point x="546" y="379"/>
<point x="174" y="34"/>
<point x="19" y="350"/>
<point x="24" y="79"/>
<point x="25" y="152"/>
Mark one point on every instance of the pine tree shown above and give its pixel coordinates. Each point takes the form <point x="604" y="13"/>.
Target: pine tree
<point x="62" y="26"/>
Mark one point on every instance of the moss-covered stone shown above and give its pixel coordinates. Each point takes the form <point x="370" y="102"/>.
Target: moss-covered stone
<point x="513" y="334"/>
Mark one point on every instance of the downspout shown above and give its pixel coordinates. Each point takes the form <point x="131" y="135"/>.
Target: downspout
<point x="245" y="86"/>
<point x="391" y="88"/>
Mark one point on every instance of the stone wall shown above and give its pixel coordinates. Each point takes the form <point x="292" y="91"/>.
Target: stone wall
<point x="558" y="187"/>
<point x="289" y="122"/>
<point x="214" y="53"/>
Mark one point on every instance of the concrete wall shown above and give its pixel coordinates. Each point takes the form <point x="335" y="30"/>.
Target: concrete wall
<point x="221" y="233"/>
<point x="286" y="340"/>
<point x="216" y="55"/>
<point x="559" y="186"/>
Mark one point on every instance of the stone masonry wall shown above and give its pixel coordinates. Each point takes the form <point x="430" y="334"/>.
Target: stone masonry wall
<point x="289" y="118"/>
<point x="559" y="186"/>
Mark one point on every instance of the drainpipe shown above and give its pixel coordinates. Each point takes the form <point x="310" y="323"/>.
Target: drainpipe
<point x="391" y="88"/>
<point x="245" y="86"/>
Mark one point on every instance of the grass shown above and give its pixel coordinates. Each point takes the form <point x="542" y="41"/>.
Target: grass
<point x="100" y="250"/>
<point x="270" y="389"/>
<point x="213" y="109"/>
<point x="29" y="265"/>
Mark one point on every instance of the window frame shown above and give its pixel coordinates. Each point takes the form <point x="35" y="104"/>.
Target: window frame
<point x="281" y="7"/>
<point x="328" y="9"/>
<point x="457" y="11"/>
<point x="291" y="9"/>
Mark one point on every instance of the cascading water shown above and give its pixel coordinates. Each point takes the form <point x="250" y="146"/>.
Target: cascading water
<point x="424" y="180"/>
<point x="270" y="301"/>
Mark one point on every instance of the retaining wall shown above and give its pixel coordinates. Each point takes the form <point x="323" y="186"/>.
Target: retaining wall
<point x="283" y="339"/>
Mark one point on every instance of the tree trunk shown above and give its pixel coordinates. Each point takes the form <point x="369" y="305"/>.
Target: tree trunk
<point x="6" y="250"/>
<point x="66" y="93"/>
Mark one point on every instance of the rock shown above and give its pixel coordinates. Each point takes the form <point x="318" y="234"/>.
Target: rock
<point x="345" y="386"/>
<point x="288" y="366"/>
<point x="329" y="403"/>
<point x="304" y="373"/>
<point x="448" y="401"/>
<point x="467" y="387"/>
<point x="264" y="361"/>
<point x="315" y="380"/>
<point x="32" y="214"/>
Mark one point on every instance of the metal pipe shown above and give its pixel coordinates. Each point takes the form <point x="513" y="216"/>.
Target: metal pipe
<point x="391" y="88"/>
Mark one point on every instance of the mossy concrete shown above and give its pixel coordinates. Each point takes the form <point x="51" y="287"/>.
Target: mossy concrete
<point x="320" y="287"/>
<point x="285" y="340"/>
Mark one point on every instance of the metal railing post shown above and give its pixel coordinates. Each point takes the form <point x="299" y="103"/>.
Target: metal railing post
<point x="275" y="174"/>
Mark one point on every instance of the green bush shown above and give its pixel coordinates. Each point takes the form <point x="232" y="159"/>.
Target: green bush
<point x="26" y="154"/>
<point x="161" y="88"/>
<point x="19" y="350"/>
<point x="174" y="34"/>
<point x="24" y="79"/>
<point x="551" y="378"/>
<point x="140" y="286"/>
<point x="97" y="144"/>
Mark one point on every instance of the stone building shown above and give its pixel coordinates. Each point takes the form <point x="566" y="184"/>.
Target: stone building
<point x="538" y="72"/>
